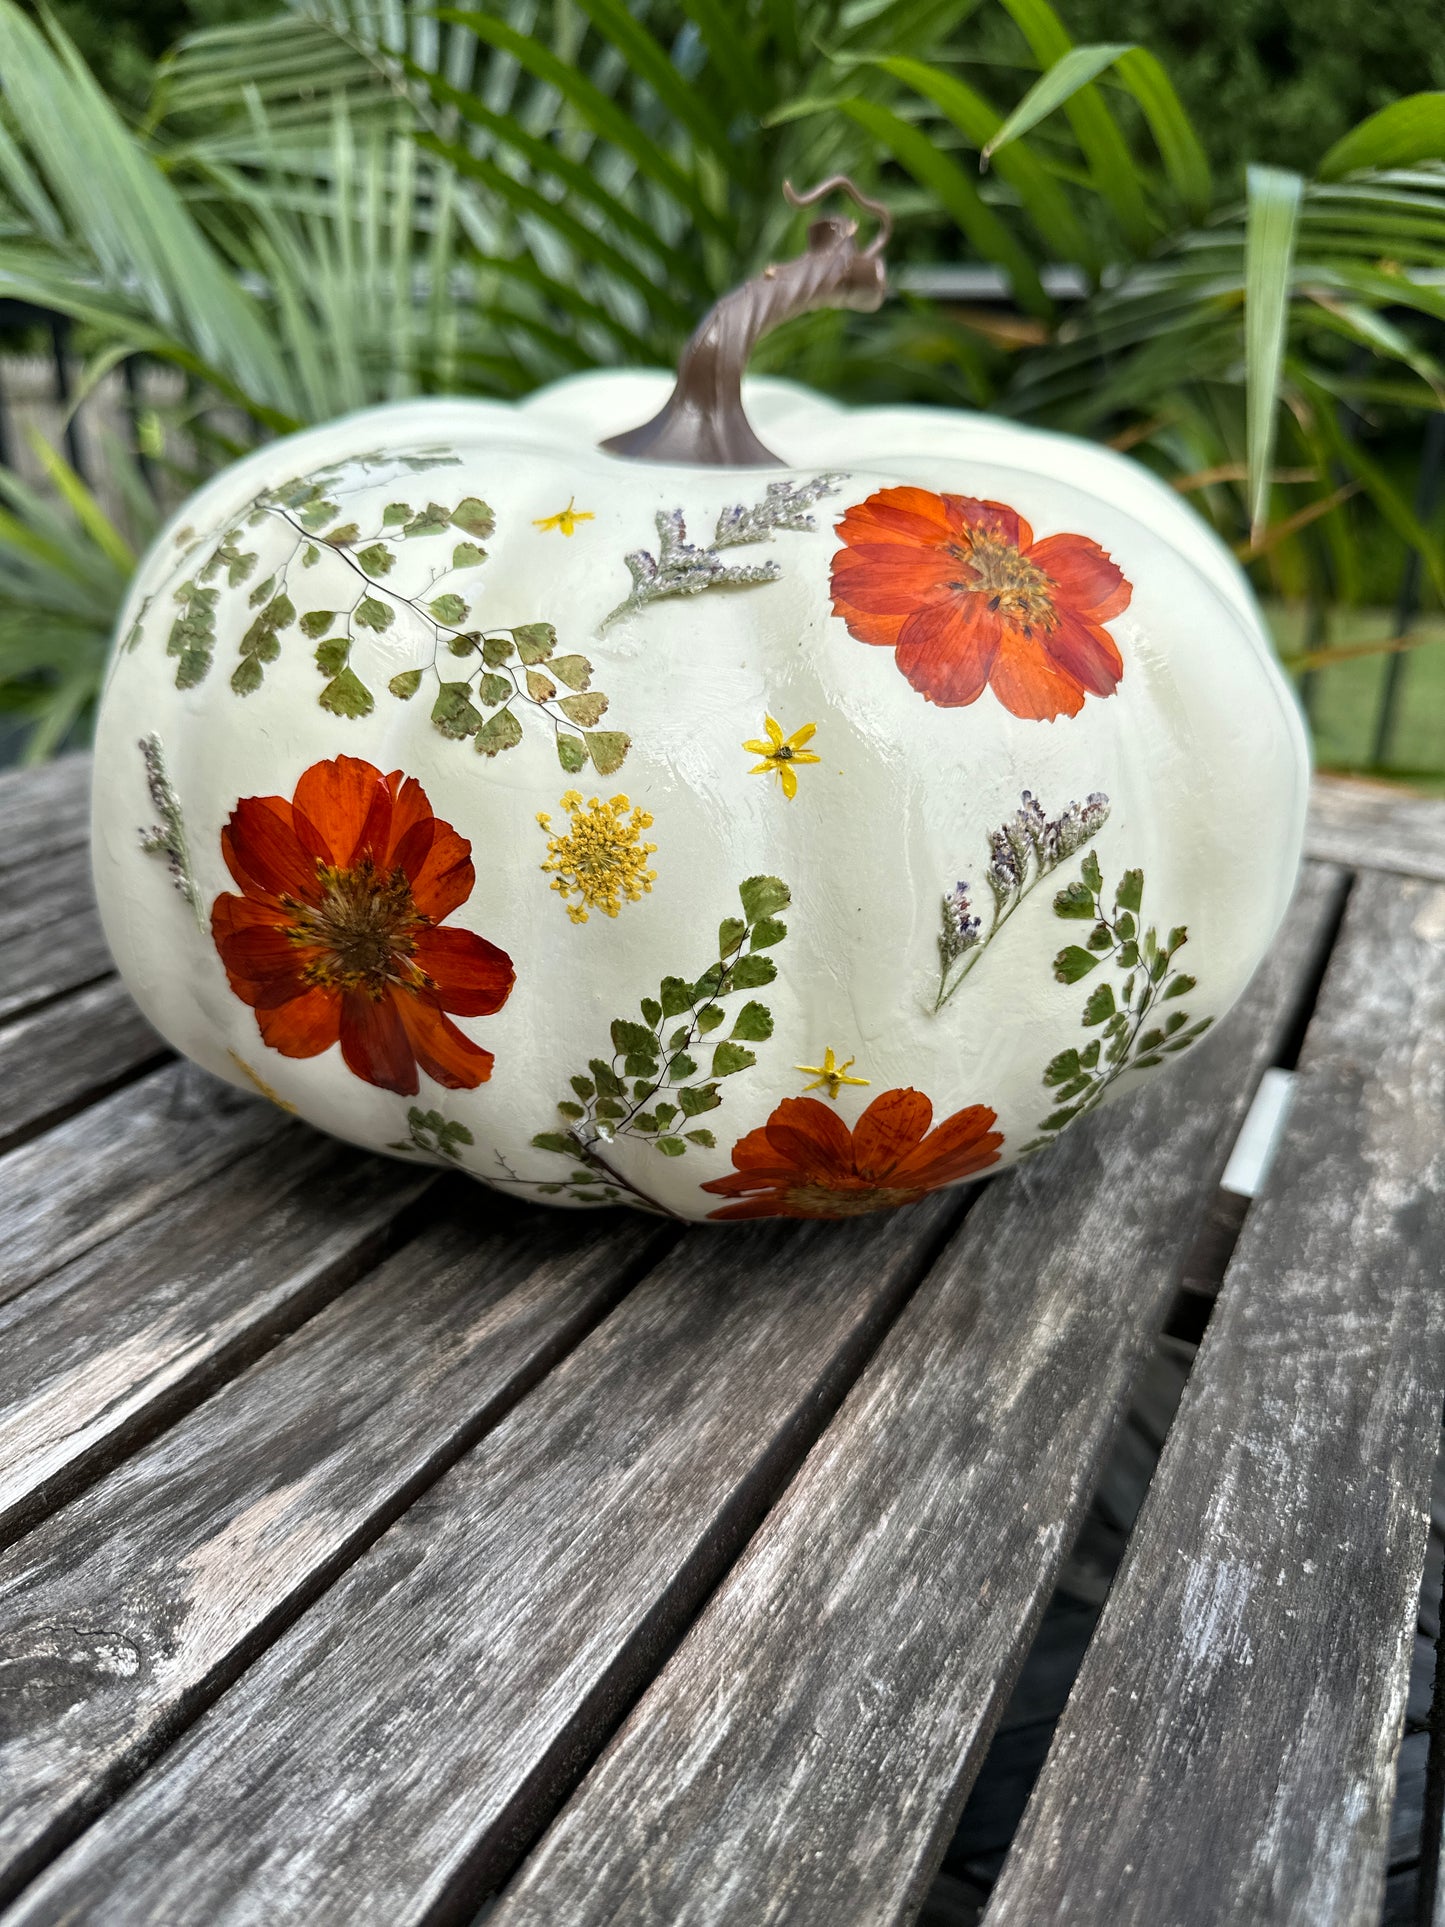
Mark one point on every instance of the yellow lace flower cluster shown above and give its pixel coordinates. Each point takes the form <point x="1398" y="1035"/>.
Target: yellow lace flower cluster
<point x="601" y="859"/>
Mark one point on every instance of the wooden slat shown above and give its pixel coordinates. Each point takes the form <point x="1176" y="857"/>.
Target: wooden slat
<point x="123" y="1161"/>
<point x="805" y="1756"/>
<point x="384" y="1757"/>
<point x="43" y="811"/>
<point x="125" y="1610"/>
<point x="50" y="935"/>
<point x="68" y="1054"/>
<point x="96" y="1354"/>
<point x="1375" y="826"/>
<point x="1228" y="1751"/>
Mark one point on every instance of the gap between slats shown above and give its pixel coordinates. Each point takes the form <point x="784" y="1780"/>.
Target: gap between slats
<point x="638" y="1247"/>
<point x="641" y="1838"/>
<point x="1007" y="1776"/>
<point x="851" y="1297"/>
<point x="1081" y="1845"/>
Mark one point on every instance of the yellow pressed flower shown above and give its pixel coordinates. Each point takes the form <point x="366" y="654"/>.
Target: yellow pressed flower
<point x="782" y="753"/>
<point x="830" y="1075"/>
<point x="261" y="1085"/>
<point x="601" y="859"/>
<point x="565" y="519"/>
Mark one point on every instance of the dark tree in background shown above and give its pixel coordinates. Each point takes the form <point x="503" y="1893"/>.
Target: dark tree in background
<point x="1274" y="80"/>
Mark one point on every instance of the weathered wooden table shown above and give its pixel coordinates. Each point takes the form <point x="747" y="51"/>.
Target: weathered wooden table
<point x="375" y="1544"/>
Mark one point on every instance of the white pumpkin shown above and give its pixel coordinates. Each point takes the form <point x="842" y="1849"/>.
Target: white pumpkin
<point x="942" y="787"/>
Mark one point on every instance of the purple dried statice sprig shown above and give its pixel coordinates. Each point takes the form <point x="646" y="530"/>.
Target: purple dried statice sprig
<point x="168" y="837"/>
<point x="1021" y="852"/>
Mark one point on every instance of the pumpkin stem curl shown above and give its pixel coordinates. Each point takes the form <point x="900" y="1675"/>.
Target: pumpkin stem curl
<point x="702" y="421"/>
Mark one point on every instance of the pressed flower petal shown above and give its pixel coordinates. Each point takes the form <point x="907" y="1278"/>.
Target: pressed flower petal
<point x="447" y="1057"/>
<point x="970" y="516"/>
<point x="376" y="832"/>
<point x="775" y="732"/>
<point x="803" y="735"/>
<point x="303" y="1026"/>
<point x="885" y="587"/>
<point x="888" y="1131"/>
<point x="811" y="1137"/>
<point x="910" y="515"/>
<point x="332" y="804"/>
<point x="962" y="1144"/>
<point x="948" y="649"/>
<point x="470" y="977"/>
<point x="755" y="1156"/>
<point x="788" y="780"/>
<point x="1087" y="578"/>
<point x="769" y="1205"/>
<point x="1079" y="648"/>
<point x="1028" y="684"/>
<point x="262" y="964"/>
<point x="261" y="850"/>
<point x="880" y="631"/>
<point x="756" y="748"/>
<point x="410" y="810"/>
<point x="805" y="756"/>
<point x="446" y="878"/>
<point x="374" y="1042"/>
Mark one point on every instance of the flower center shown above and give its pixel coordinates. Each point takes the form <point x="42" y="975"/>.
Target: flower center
<point x="364" y="929"/>
<point x="1016" y="587"/>
<point x="846" y="1200"/>
<point x="782" y="754"/>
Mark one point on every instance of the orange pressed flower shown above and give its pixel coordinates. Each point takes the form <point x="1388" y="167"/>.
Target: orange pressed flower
<point x="966" y="598"/>
<point x="336" y="939"/>
<point x="806" y="1163"/>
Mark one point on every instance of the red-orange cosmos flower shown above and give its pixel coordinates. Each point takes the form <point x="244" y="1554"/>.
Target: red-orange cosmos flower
<point x="806" y="1163"/>
<point x="336" y="936"/>
<point x="964" y="596"/>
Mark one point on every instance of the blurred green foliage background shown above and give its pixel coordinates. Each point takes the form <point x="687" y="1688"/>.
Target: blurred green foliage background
<point x="1217" y="237"/>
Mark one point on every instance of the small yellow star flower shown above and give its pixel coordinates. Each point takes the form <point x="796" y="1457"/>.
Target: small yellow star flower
<point x="830" y="1075"/>
<point x="565" y="519"/>
<point x="782" y="753"/>
<point x="601" y="858"/>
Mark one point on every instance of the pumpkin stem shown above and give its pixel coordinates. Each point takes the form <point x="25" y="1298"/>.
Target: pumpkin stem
<point x="703" y="421"/>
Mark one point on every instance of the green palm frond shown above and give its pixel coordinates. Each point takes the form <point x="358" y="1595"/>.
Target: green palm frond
<point x="91" y="227"/>
<point x="64" y="567"/>
<point x="356" y="200"/>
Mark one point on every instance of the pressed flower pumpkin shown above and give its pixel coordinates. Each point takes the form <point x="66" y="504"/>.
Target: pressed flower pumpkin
<point x="428" y="798"/>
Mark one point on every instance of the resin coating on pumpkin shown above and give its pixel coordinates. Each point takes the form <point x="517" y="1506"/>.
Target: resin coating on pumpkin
<point x="732" y="842"/>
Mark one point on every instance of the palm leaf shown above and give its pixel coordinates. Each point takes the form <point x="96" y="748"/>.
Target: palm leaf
<point x="123" y="244"/>
<point x="1273" y="220"/>
<point x="1112" y="169"/>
